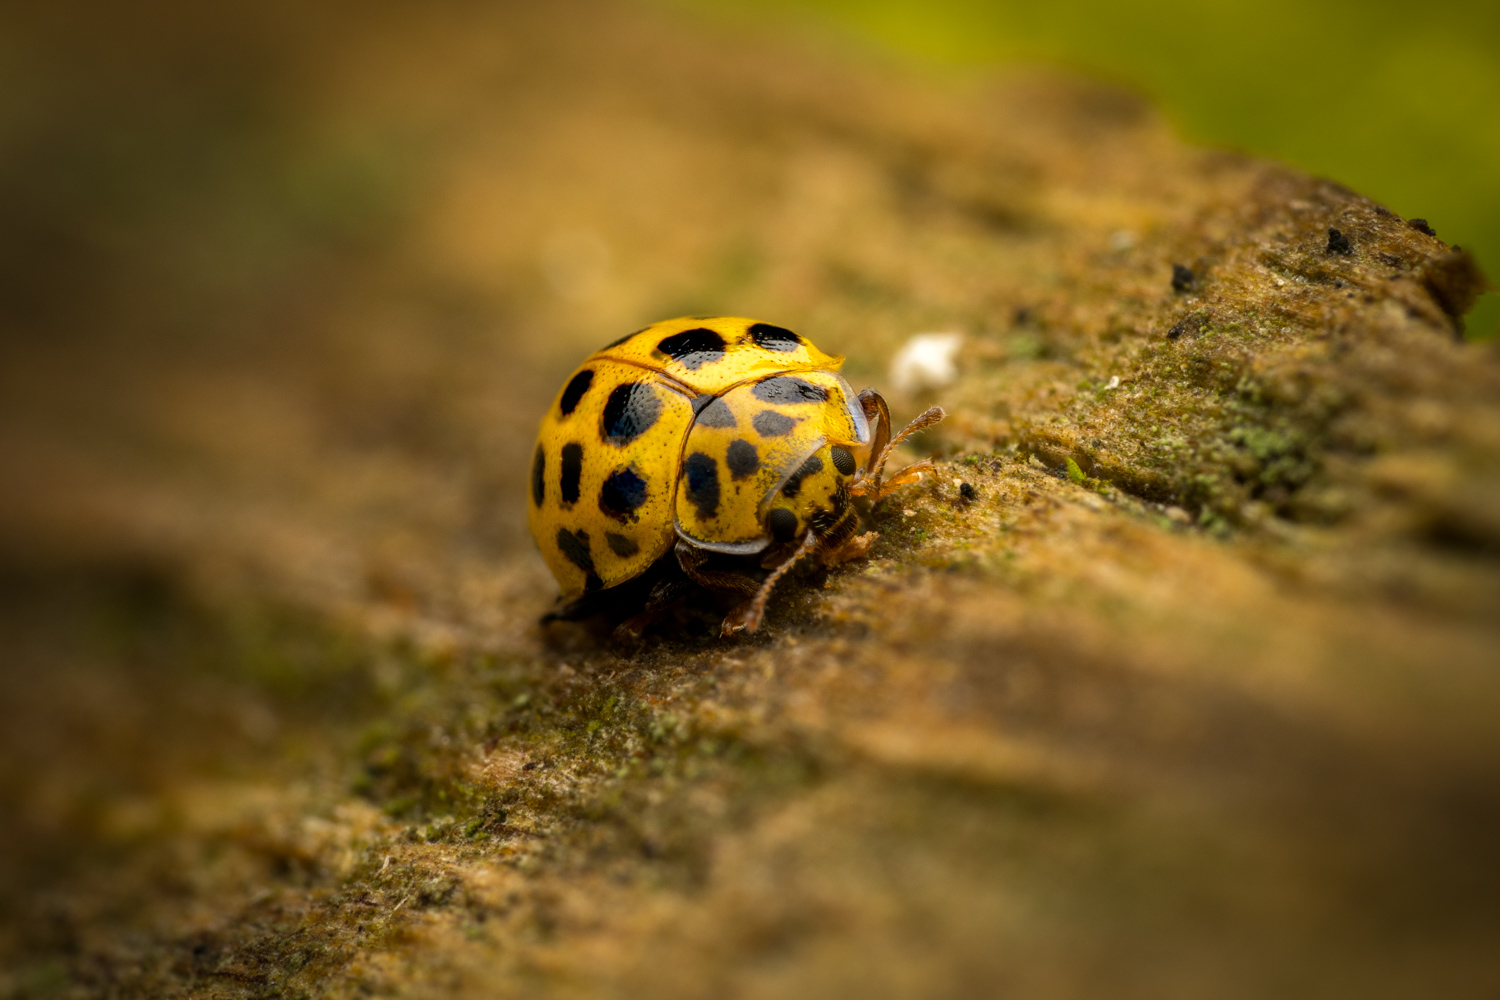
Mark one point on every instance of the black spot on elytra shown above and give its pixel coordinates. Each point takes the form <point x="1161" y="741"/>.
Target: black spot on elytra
<point x="575" y="545"/>
<point x="774" y="338"/>
<point x="743" y="459"/>
<point x="811" y="467"/>
<point x="1182" y="278"/>
<point x="572" y="469"/>
<point x="620" y="545"/>
<point x="702" y="475"/>
<point x="843" y="460"/>
<point x="1339" y="243"/>
<point x="716" y="414"/>
<point x="788" y="389"/>
<point x="577" y="386"/>
<point x="538" y="477"/>
<point x="769" y="423"/>
<point x="782" y="523"/>
<point x="693" y="348"/>
<point x="629" y="412"/>
<point x="622" y="494"/>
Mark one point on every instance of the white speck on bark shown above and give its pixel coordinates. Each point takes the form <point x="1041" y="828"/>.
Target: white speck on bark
<point x="926" y="361"/>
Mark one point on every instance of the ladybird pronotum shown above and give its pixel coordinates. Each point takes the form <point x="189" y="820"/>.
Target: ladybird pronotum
<point x="707" y="440"/>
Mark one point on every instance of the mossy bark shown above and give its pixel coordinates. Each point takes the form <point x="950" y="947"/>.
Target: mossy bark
<point x="1192" y="692"/>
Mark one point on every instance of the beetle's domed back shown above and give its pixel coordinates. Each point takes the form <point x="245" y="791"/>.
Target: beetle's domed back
<point x="710" y="355"/>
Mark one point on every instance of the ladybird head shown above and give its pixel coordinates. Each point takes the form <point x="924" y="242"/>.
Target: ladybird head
<point x="814" y="496"/>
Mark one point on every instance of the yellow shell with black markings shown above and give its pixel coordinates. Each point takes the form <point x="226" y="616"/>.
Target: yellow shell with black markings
<point x="698" y="429"/>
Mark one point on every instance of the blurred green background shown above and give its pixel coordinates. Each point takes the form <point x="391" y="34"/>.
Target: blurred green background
<point x="1398" y="100"/>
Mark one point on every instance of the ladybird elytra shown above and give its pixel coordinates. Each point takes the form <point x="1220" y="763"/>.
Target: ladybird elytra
<point x="603" y="474"/>
<point x="710" y="355"/>
<point x="705" y="436"/>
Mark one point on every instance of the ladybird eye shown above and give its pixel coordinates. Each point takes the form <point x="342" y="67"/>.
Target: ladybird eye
<point x="783" y="524"/>
<point x="842" y="460"/>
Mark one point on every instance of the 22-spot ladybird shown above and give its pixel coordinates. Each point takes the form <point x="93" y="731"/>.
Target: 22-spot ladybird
<point x="707" y="451"/>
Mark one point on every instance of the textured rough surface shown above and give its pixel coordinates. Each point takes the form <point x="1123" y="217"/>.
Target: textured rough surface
<point x="1190" y="690"/>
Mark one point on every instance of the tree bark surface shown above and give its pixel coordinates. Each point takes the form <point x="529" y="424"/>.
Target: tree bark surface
<point x="1196" y="695"/>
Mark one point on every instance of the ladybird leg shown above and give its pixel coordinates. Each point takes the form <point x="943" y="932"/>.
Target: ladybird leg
<point x="850" y="549"/>
<point x="878" y="414"/>
<point x="749" y="615"/>
<point x="925" y="420"/>
<point x="577" y="609"/>
<point x="665" y="594"/>
<point x="842" y="540"/>
<point x="692" y="559"/>
<point x="872" y="484"/>
<point x="911" y="474"/>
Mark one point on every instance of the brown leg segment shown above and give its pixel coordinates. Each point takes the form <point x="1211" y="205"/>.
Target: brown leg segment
<point x="692" y="559"/>
<point x="850" y="549"/>
<point x="925" y="420"/>
<point x="662" y="597"/>
<point x="748" y="615"/>
<point x="879" y="416"/>
<point x="911" y="474"/>
<point x="871" y="485"/>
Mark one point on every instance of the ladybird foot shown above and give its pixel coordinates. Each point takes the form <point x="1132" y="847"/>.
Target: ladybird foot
<point x="631" y="629"/>
<point x="911" y="474"/>
<point x="739" y="620"/>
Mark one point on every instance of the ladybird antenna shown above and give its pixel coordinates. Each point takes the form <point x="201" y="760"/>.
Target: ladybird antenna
<point x="758" y="605"/>
<point x="927" y="419"/>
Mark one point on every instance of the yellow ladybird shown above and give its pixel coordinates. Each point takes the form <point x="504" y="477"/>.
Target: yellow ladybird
<point x="732" y="445"/>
